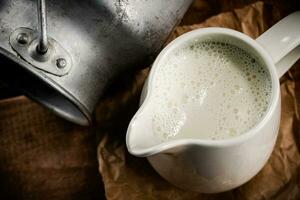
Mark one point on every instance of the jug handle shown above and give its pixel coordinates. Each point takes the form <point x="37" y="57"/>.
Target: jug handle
<point x="282" y="42"/>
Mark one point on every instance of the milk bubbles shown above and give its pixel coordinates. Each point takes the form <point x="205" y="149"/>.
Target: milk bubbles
<point x="209" y="90"/>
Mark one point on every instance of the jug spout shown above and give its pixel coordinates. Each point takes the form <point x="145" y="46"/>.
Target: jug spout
<point x="140" y="138"/>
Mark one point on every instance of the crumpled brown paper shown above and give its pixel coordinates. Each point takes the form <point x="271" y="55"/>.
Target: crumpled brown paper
<point x="127" y="177"/>
<point x="44" y="157"/>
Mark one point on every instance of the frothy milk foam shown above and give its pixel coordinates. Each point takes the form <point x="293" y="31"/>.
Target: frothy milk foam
<point x="209" y="90"/>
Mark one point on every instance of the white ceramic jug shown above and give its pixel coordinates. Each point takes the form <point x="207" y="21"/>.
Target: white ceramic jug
<point x="212" y="166"/>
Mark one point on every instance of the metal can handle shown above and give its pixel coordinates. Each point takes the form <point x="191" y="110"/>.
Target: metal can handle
<point x="42" y="46"/>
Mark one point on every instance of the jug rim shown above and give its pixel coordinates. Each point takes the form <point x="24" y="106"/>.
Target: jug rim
<point x="165" y="145"/>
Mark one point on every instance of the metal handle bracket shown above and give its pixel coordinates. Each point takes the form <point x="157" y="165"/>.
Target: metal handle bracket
<point x="38" y="49"/>
<point x="56" y="60"/>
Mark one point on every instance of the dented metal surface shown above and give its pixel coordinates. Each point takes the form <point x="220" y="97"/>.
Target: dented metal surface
<point x="103" y="37"/>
